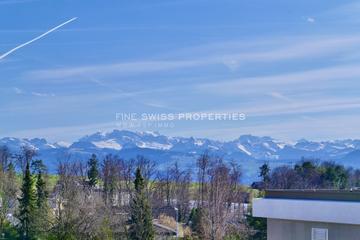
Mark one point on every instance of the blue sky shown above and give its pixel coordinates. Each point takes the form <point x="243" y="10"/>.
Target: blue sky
<point x="291" y="66"/>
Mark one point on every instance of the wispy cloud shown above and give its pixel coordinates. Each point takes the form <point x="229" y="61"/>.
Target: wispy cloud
<point x="279" y="96"/>
<point x="304" y="107"/>
<point x="298" y="108"/>
<point x="346" y="9"/>
<point x="317" y="77"/>
<point x="291" y="50"/>
<point x="38" y="94"/>
<point x="116" y="68"/>
<point x="310" y="19"/>
<point x="18" y="90"/>
<point x="322" y="128"/>
<point x="345" y="12"/>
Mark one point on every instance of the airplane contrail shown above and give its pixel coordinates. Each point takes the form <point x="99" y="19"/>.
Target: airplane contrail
<point x="35" y="39"/>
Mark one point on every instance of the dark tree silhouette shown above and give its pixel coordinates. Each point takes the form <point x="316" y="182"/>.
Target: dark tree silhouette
<point x="93" y="172"/>
<point x="141" y="226"/>
<point x="27" y="204"/>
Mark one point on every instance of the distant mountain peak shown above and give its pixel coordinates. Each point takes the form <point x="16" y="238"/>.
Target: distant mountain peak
<point x="248" y="149"/>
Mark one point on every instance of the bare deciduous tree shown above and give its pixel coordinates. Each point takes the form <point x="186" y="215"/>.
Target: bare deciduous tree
<point x="25" y="156"/>
<point x="220" y="196"/>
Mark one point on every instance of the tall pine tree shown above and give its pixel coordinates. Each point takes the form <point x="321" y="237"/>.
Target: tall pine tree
<point x="41" y="192"/>
<point x="27" y="205"/>
<point x="41" y="189"/>
<point x="41" y="223"/>
<point x="141" y="227"/>
<point x="93" y="172"/>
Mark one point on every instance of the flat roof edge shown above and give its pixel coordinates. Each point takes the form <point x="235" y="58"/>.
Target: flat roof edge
<point x="322" y="194"/>
<point x="308" y="210"/>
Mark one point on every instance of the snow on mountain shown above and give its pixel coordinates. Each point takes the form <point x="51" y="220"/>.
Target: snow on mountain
<point x="242" y="148"/>
<point x="248" y="150"/>
<point x="245" y="147"/>
<point x="110" y="144"/>
<point x="257" y="147"/>
<point x="126" y="139"/>
<point x="62" y="144"/>
<point x="261" y="148"/>
<point x="154" y="145"/>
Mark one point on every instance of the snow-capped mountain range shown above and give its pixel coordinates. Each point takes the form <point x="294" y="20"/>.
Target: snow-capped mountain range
<point x="249" y="151"/>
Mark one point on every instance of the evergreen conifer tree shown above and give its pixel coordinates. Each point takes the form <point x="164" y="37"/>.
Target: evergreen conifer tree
<point x="41" y="192"/>
<point x="41" y="189"/>
<point x="141" y="227"/>
<point x="27" y="205"/>
<point x="93" y="172"/>
<point x="41" y="222"/>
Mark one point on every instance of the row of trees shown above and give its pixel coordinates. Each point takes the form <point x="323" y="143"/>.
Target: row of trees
<point x="309" y="174"/>
<point x="117" y="199"/>
<point x="8" y="190"/>
<point x="31" y="200"/>
<point x="76" y="208"/>
<point x="113" y="198"/>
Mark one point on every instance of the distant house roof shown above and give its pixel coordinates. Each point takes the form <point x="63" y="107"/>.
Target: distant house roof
<point x="163" y="230"/>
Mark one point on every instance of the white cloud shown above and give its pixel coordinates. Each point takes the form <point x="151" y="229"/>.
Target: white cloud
<point x="18" y="90"/>
<point x="279" y="96"/>
<point x="310" y="19"/>
<point x="156" y="105"/>
<point x="38" y="94"/>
